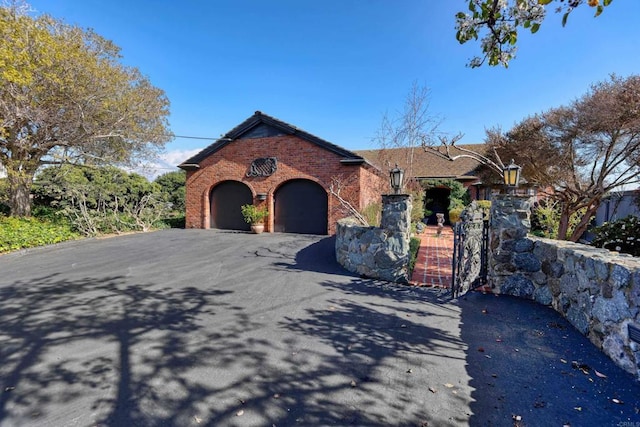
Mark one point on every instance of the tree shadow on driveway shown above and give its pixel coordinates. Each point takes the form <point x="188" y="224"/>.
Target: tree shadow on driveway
<point x="266" y="336"/>
<point x="261" y="342"/>
<point x="527" y="361"/>
<point x="97" y="342"/>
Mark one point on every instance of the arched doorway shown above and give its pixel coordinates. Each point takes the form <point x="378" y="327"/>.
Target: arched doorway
<point x="226" y="200"/>
<point x="437" y="201"/>
<point x="301" y="206"/>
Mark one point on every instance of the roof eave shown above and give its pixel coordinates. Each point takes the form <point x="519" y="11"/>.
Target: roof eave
<point x="189" y="166"/>
<point x="359" y="161"/>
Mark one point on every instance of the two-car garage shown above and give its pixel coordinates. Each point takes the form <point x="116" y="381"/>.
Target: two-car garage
<point x="299" y="206"/>
<point x="271" y="164"/>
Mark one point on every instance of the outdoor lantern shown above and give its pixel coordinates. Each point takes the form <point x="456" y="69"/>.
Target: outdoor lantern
<point x="511" y="174"/>
<point x="396" y="175"/>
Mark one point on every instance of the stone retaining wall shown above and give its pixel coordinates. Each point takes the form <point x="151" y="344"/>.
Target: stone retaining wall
<point x="378" y="252"/>
<point x="598" y="291"/>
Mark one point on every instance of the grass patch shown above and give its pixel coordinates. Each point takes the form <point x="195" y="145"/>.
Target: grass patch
<point x="21" y="233"/>
<point x="414" y="246"/>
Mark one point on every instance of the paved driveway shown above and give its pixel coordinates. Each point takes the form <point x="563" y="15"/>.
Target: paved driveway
<point x="199" y="327"/>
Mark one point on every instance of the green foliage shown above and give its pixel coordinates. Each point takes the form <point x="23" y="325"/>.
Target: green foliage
<point x="253" y="214"/>
<point x="414" y="246"/>
<point x="497" y="23"/>
<point x="66" y="97"/>
<point x="454" y="214"/>
<point x="171" y="222"/>
<point x="372" y="213"/>
<point x="172" y="188"/>
<point x="4" y="196"/>
<point x="458" y="197"/>
<point x="545" y="219"/>
<point x="20" y="233"/>
<point x="100" y="200"/>
<point x="485" y="205"/>
<point x="622" y="235"/>
<point x="417" y="210"/>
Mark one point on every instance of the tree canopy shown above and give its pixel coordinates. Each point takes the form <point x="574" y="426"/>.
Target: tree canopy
<point x="172" y="185"/>
<point x="581" y="151"/>
<point x="65" y="97"/>
<point x="497" y="22"/>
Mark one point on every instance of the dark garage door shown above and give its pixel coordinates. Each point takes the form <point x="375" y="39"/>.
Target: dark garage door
<point x="301" y="207"/>
<point x="226" y="200"/>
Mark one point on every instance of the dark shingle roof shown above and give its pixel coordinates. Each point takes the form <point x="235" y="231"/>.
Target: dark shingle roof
<point x="260" y="119"/>
<point x="426" y="163"/>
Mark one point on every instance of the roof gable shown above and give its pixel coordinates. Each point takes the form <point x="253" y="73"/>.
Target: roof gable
<point x="261" y="125"/>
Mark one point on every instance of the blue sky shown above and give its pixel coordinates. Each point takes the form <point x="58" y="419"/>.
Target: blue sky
<point x="334" y="67"/>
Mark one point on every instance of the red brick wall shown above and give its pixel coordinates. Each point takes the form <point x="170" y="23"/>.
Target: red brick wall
<point x="297" y="159"/>
<point x="374" y="183"/>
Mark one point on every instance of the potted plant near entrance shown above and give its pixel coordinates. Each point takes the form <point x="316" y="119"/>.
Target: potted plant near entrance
<point x="254" y="216"/>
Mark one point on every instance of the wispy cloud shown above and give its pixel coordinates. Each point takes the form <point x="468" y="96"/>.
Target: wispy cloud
<point x="175" y="157"/>
<point x="166" y="162"/>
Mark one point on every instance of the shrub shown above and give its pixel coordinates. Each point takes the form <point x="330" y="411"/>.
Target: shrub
<point x="485" y="205"/>
<point x="545" y="219"/>
<point x="172" y="187"/>
<point x="177" y="221"/>
<point x="372" y="213"/>
<point x="414" y="246"/>
<point x="100" y="200"/>
<point x="622" y="235"/>
<point x="417" y="209"/>
<point x="20" y="233"/>
<point x="454" y="215"/>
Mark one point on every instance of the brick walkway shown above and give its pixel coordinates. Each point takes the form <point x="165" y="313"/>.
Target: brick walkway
<point x="433" y="266"/>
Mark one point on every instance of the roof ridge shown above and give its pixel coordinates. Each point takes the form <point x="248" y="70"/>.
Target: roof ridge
<point x="261" y="118"/>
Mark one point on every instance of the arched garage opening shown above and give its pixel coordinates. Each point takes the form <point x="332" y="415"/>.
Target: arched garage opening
<point x="226" y="200"/>
<point x="301" y="206"/>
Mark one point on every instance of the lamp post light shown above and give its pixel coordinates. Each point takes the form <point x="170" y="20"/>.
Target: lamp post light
<point x="396" y="175"/>
<point x="511" y="174"/>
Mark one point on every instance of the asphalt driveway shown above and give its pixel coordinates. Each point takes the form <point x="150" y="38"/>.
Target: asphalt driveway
<point x="199" y="327"/>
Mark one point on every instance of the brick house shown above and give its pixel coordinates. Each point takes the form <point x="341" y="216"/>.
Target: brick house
<point x="425" y="165"/>
<point x="267" y="162"/>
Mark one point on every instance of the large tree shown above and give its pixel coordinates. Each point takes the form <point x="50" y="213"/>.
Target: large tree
<point x="581" y="151"/>
<point x="497" y="23"/>
<point x="65" y="97"/>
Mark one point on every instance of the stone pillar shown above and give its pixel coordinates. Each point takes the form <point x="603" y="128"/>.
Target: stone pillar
<point x="510" y="223"/>
<point x="396" y="223"/>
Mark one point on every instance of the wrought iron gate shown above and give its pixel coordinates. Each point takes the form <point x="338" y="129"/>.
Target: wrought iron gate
<point x="470" y="251"/>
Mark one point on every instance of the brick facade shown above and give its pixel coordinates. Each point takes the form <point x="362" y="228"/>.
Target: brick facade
<point x="299" y="156"/>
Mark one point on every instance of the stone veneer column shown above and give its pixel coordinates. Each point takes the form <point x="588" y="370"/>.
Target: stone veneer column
<point x="510" y="223"/>
<point x="396" y="223"/>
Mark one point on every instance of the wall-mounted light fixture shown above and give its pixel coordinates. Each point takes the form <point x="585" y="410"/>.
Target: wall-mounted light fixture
<point x="262" y="196"/>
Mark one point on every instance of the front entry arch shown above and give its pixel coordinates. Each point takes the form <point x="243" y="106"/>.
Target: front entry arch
<point x="437" y="201"/>
<point x="226" y="200"/>
<point x="301" y="206"/>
